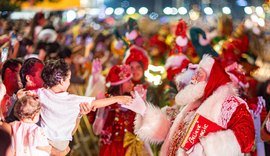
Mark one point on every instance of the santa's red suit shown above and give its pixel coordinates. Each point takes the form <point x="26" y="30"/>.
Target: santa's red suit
<point x="220" y="104"/>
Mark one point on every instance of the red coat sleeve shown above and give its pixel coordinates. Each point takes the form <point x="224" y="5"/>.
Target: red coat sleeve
<point x="241" y="123"/>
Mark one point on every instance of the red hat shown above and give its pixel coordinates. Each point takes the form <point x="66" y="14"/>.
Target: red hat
<point x="181" y="33"/>
<point x="175" y="64"/>
<point x="156" y="41"/>
<point x="217" y="77"/>
<point x="138" y="54"/>
<point x="181" y="39"/>
<point x="181" y="28"/>
<point x="257" y="104"/>
<point x="118" y="74"/>
<point x="237" y="75"/>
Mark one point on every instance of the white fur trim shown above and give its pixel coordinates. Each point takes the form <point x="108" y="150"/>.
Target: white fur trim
<point x="181" y="41"/>
<point x="222" y="143"/>
<point x="127" y="54"/>
<point x="207" y="63"/>
<point x="237" y="81"/>
<point x="211" y="107"/>
<point x="190" y="94"/>
<point x="153" y="127"/>
<point x="138" y="122"/>
<point x="181" y="152"/>
<point x="175" y="61"/>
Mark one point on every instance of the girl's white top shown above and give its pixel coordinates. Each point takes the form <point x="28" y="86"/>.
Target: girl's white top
<point x="59" y="112"/>
<point x="26" y="137"/>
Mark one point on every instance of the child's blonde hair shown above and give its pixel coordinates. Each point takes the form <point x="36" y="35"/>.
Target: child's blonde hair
<point x="26" y="107"/>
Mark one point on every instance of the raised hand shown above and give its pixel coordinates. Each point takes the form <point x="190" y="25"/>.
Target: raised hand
<point x="96" y="66"/>
<point x="96" y="69"/>
<point x="141" y="91"/>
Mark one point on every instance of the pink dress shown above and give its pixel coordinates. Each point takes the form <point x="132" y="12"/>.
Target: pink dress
<point x="26" y="137"/>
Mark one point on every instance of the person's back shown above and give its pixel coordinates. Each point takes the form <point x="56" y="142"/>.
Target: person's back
<point x="59" y="113"/>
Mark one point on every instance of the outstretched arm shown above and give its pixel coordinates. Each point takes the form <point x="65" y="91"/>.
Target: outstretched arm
<point x="109" y="101"/>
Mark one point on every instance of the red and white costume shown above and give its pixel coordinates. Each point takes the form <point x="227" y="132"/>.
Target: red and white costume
<point x="220" y="105"/>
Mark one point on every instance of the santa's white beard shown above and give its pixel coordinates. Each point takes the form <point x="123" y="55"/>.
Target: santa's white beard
<point x="190" y="93"/>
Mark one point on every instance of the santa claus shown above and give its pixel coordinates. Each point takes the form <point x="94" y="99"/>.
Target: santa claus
<point x="212" y="95"/>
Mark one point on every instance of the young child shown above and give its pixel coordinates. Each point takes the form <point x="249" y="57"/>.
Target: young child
<point x="60" y="111"/>
<point x="27" y="137"/>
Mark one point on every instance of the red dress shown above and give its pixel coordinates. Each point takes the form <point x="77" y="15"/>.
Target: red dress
<point x="119" y="121"/>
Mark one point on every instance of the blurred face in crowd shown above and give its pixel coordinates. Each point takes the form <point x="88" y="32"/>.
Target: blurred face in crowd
<point x="12" y="80"/>
<point x="127" y="87"/>
<point x="137" y="70"/>
<point x="34" y="81"/>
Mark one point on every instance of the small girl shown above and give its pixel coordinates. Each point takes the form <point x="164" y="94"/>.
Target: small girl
<point x="28" y="139"/>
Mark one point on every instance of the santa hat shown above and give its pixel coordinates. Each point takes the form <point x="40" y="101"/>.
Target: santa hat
<point x="181" y="33"/>
<point x="207" y="63"/>
<point x="257" y="104"/>
<point x="237" y="75"/>
<point x="137" y="54"/>
<point x="217" y="76"/>
<point x="181" y="39"/>
<point x="118" y="74"/>
<point x="175" y="64"/>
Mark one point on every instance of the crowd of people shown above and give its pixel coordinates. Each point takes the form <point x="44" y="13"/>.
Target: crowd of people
<point x="147" y="88"/>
